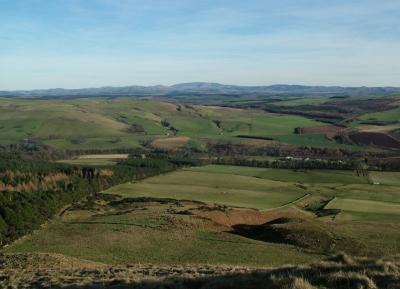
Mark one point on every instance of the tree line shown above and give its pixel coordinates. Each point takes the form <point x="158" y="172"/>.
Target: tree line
<point x="31" y="192"/>
<point x="289" y="163"/>
<point x="360" y="167"/>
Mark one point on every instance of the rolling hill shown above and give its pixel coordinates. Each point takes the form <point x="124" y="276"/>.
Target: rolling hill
<point x="127" y="123"/>
<point x="202" y="88"/>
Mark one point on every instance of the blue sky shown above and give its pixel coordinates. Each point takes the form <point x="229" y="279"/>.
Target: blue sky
<point x="86" y="43"/>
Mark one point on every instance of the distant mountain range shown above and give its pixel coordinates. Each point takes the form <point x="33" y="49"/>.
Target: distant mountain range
<point x="201" y="88"/>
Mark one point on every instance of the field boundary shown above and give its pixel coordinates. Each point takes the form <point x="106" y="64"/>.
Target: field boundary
<point x="288" y="204"/>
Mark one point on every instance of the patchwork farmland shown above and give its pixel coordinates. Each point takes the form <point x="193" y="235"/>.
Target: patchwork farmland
<point x="183" y="187"/>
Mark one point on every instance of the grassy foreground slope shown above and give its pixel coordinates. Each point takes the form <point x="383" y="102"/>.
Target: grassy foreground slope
<point x="127" y="231"/>
<point x="102" y="123"/>
<point x="27" y="270"/>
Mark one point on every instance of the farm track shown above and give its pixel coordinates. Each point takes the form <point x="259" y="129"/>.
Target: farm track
<point x="288" y="204"/>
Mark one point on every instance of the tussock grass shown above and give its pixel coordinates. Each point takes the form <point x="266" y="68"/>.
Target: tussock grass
<point x="18" y="271"/>
<point x="300" y="283"/>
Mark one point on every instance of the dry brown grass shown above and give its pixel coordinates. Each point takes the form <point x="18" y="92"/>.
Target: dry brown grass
<point x="104" y="156"/>
<point x="300" y="283"/>
<point x="55" y="271"/>
<point x="170" y="143"/>
<point x="378" y="128"/>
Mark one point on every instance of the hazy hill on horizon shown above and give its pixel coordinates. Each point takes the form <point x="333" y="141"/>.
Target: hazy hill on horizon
<point x="201" y="88"/>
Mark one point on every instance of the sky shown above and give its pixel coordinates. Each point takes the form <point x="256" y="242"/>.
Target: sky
<point x="91" y="43"/>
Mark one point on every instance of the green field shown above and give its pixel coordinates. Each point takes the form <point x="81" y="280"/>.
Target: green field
<point x="96" y="160"/>
<point x="226" y="189"/>
<point x="90" y="162"/>
<point x="313" y="140"/>
<point x="283" y="175"/>
<point x="366" y="192"/>
<point x="364" y="206"/>
<point x="386" y="178"/>
<point x="392" y="115"/>
<point x="261" y="188"/>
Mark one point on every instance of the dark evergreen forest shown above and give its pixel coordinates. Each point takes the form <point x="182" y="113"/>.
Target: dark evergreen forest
<point x="31" y="192"/>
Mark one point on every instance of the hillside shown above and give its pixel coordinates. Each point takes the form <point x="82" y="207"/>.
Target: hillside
<point x="124" y="123"/>
<point x="127" y="123"/>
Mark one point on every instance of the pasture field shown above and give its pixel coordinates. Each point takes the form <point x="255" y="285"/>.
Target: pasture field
<point x="283" y="175"/>
<point x="260" y="188"/>
<point x="380" y="193"/>
<point x="385" y="122"/>
<point x="353" y="217"/>
<point x="385" y="178"/>
<point x="364" y="206"/>
<point x="245" y="122"/>
<point x="104" y="156"/>
<point x="392" y="115"/>
<point x="170" y="143"/>
<point x="96" y="160"/>
<point x="316" y="140"/>
<point x="89" y="162"/>
<point x="223" y="189"/>
<point x="96" y="142"/>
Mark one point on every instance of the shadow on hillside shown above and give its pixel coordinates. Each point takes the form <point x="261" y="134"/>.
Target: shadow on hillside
<point x="264" y="232"/>
<point x="305" y="233"/>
